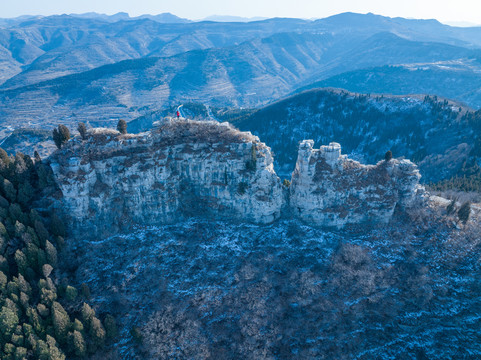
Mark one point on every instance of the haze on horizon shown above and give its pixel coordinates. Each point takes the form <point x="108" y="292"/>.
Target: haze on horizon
<point x="463" y="12"/>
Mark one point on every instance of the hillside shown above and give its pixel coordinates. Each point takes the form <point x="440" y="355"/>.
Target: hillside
<point x="263" y="281"/>
<point x="216" y="290"/>
<point x="247" y="75"/>
<point x="456" y="79"/>
<point x="38" y="49"/>
<point x="435" y="133"/>
<point x="98" y="69"/>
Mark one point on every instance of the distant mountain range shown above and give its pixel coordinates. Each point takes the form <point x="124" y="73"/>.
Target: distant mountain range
<point x="99" y="68"/>
<point x="230" y="18"/>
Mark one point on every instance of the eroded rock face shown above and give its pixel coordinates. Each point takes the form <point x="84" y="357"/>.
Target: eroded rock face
<point x="112" y="181"/>
<point x="329" y="189"/>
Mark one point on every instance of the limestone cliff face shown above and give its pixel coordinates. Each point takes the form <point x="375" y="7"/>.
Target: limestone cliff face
<point x="111" y="181"/>
<point x="329" y="189"/>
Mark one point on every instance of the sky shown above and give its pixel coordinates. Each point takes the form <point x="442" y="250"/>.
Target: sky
<point x="442" y="10"/>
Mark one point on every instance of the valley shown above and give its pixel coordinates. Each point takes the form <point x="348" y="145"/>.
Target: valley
<point x="69" y="69"/>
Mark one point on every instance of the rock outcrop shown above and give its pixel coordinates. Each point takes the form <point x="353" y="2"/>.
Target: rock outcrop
<point x="111" y="181"/>
<point x="329" y="189"/>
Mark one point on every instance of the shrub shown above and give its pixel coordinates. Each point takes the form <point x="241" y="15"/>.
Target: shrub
<point x="242" y="188"/>
<point x="388" y="155"/>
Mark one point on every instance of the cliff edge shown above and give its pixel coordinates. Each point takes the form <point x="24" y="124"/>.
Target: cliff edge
<point x="112" y="181"/>
<point x="330" y="189"/>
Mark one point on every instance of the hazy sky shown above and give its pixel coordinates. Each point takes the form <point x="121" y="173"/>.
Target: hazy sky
<point x="443" y="10"/>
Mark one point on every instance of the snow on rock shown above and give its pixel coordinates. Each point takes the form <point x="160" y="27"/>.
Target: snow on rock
<point x="329" y="189"/>
<point x="190" y="168"/>
<point x="112" y="181"/>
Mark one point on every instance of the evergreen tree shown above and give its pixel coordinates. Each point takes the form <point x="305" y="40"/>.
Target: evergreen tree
<point x="61" y="135"/>
<point x="8" y="320"/>
<point x="51" y="253"/>
<point x="79" y="347"/>
<point x="97" y="332"/>
<point x="37" y="157"/>
<point x="61" y="322"/>
<point x="388" y="155"/>
<point x="122" y="126"/>
<point x="251" y="164"/>
<point x="464" y="212"/>
<point x="82" y="129"/>
<point x="110" y="327"/>
<point x="451" y="208"/>
<point x="64" y="132"/>
<point x="71" y="293"/>
<point x="4" y="159"/>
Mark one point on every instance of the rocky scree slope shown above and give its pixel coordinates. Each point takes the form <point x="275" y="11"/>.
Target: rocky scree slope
<point x="183" y="168"/>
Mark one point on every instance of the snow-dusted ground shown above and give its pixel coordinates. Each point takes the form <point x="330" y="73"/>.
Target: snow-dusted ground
<point x="203" y="289"/>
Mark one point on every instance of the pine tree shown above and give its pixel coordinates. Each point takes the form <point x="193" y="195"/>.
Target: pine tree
<point x="110" y="327"/>
<point x="61" y="135"/>
<point x="450" y="209"/>
<point x="37" y="157"/>
<point x="251" y="164"/>
<point x="4" y="159"/>
<point x="79" y="347"/>
<point x="82" y="129"/>
<point x="61" y="322"/>
<point x="464" y="212"/>
<point x="97" y="332"/>
<point x="64" y="132"/>
<point x="388" y="156"/>
<point x="51" y="253"/>
<point x="122" y="126"/>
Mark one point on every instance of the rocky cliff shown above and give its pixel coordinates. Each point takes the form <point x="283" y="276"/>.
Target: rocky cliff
<point x="330" y="189"/>
<point x="110" y="181"/>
